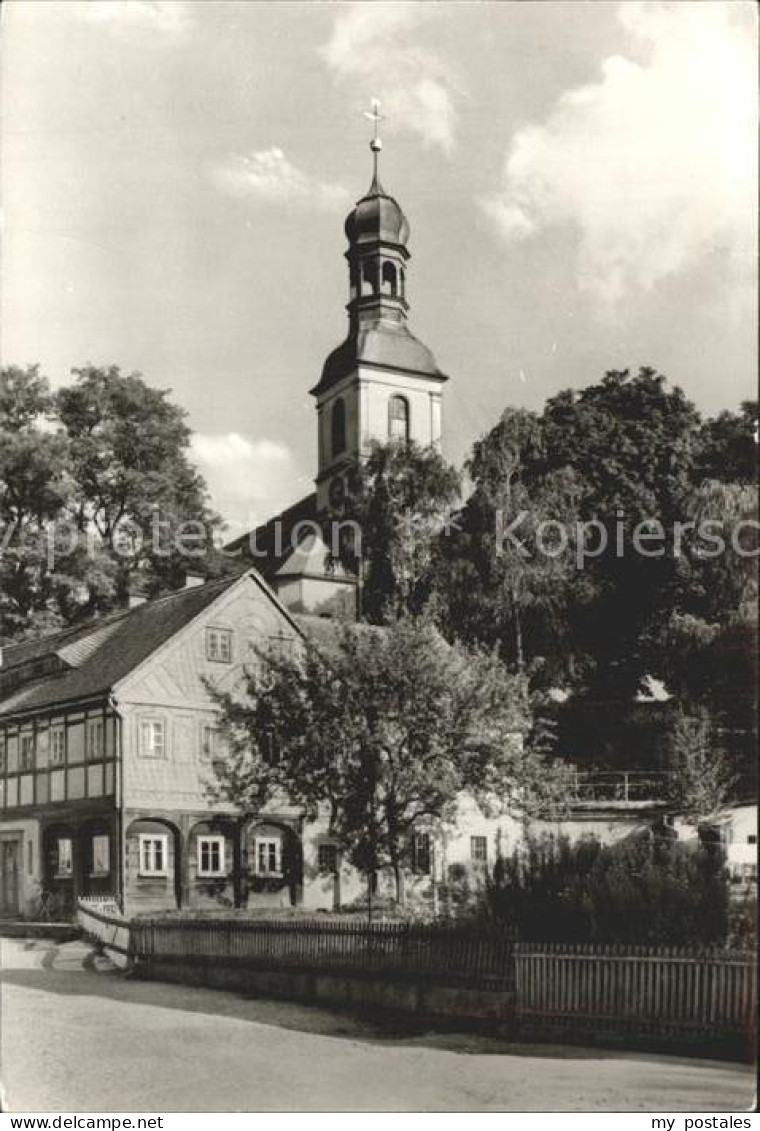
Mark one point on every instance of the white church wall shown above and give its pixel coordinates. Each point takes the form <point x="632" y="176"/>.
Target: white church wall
<point x="424" y="400"/>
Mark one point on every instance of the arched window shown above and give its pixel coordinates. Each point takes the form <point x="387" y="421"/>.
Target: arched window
<point x="398" y="418"/>
<point x="370" y="283"/>
<point x="390" y="285"/>
<point x="338" y="427"/>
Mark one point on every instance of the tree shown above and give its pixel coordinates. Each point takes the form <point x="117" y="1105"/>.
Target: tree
<point x="513" y="590"/>
<point x="135" y="483"/>
<point x="382" y="731"/>
<point x="630" y="440"/>
<point x="706" y="649"/>
<point x="36" y="488"/>
<point x="403" y="498"/>
<point x="727" y="447"/>
<point x="620" y="452"/>
<point x="701" y="776"/>
<point x="94" y="482"/>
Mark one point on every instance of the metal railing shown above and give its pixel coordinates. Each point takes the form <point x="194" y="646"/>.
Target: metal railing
<point x="617" y="786"/>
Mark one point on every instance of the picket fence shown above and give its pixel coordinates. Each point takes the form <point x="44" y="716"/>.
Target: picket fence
<point x="711" y="991"/>
<point x="617" y="987"/>
<point x="455" y="954"/>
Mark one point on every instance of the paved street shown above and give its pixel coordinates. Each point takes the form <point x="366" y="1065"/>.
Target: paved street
<point x="79" y="1036"/>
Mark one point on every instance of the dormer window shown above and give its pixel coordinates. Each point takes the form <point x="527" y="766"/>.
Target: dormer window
<point x="219" y="645"/>
<point x="338" y="427"/>
<point x="398" y="419"/>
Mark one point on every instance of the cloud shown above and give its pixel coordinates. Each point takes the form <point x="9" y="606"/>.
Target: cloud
<point x="654" y="165"/>
<point x="153" y="15"/>
<point x="269" y="175"/>
<point x="418" y="90"/>
<point x="249" y="480"/>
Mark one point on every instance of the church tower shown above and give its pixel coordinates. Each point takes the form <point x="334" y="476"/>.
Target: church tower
<point x="382" y="383"/>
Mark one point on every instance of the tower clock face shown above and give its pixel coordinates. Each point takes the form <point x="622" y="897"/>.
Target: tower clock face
<point x="337" y="491"/>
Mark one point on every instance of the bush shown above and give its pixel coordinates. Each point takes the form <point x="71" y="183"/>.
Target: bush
<point x="644" y="890"/>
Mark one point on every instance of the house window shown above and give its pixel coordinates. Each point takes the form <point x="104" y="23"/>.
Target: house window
<point x="95" y="740"/>
<point x="752" y="838"/>
<point x="338" y="427"/>
<point x="479" y="849"/>
<point x="270" y="750"/>
<point x="421" y="854"/>
<point x="211" y="856"/>
<point x="101" y="856"/>
<point x="219" y="645"/>
<point x="43" y="748"/>
<point x="58" y="747"/>
<point x="26" y="756"/>
<point x="152" y="738"/>
<point x="268" y="856"/>
<point x="153" y="855"/>
<point x="398" y="418"/>
<point x="65" y="857"/>
<point x="281" y="648"/>
<point x="327" y="858"/>
<point x="210" y="741"/>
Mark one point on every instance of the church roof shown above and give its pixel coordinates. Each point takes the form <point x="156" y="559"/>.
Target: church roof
<point x="270" y="546"/>
<point x="383" y="345"/>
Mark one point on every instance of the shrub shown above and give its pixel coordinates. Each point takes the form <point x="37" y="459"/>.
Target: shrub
<point x="644" y="890"/>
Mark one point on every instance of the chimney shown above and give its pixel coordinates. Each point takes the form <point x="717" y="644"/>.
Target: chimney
<point x="194" y="579"/>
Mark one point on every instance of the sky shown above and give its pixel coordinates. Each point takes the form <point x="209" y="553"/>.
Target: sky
<point x="580" y="180"/>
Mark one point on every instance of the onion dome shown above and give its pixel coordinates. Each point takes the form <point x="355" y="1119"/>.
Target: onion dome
<point x="377" y="218"/>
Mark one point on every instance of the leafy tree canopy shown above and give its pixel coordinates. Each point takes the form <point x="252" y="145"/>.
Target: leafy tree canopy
<point x="403" y="497"/>
<point x="95" y="484"/>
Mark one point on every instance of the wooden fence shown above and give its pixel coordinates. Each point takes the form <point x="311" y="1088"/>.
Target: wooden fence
<point x="102" y="921"/>
<point x="432" y="951"/>
<point x="643" y="988"/>
<point x="591" y="989"/>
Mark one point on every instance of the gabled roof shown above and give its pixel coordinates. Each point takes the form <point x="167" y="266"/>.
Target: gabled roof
<point x="103" y="652"/>
<point x="270" y="546"/>
<point x="14" y="655"/>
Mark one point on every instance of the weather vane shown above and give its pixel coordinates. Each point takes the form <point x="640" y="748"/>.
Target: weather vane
<point x="375" y="144"/>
